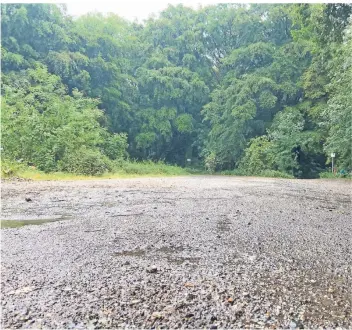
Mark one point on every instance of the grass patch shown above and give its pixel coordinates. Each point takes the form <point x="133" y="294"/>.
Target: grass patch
<point x="329" y="175"/>
<point x="266" y="174"/>
<point x="134" y="169"/>
<point x="10" y="168"/>
<point x="148" y="168"/>
<point x="121" y="169"/>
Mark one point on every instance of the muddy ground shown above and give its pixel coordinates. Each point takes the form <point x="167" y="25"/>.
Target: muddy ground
<point x="185" y="252"/>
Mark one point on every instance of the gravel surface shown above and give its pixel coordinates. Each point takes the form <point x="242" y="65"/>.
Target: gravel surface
<point x="190" y="252"/>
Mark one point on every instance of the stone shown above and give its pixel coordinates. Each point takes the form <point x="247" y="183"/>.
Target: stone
<point x="190" y="296"/>
<point x="189" y="285"/>
<point x="25" y="289"/>
<point x="135" y="302"/>
<point x="169" y="309"/>
<point x="157" y="315"/>
<point x="152" y="269"/>
<point x="293" y="325"/>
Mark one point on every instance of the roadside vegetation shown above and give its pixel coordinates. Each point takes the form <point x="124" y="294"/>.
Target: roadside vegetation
<point x="125" y="169"/>
<point x="231" y="89"/>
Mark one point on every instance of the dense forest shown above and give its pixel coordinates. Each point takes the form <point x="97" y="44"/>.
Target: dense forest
<point x="249" y="87"/>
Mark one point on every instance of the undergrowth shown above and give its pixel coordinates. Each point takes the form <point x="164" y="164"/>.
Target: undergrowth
<point x="128" y="169"/>
<point x="267" y="174"/>
<point x="338" y="175"/>
<point x="119" y="169"/>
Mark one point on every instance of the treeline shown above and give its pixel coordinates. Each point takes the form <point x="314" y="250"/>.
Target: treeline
<point x="250" y="87"/>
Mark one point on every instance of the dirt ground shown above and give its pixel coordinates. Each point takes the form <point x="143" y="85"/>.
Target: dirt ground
<point x="184" y="252"/>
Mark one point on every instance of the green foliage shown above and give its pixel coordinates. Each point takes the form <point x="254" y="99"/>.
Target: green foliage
<point x="275" y="174"/>
<point x="210" y="163"/>
<point x="43" y="125"/>
<point x="266" y="173"/>
<point x="295" y="150"/>
<point x="258" y="157"/>
<point x="84" y="161"/>
<point x="148" y="168"/>
<point x="339" y="110"/>
<point x="115" y="145"/>
<point x="329" y="175"/>
<point x="252" y="88"/>
<point x="184" y="123"/>
<point x="10" y="168"/>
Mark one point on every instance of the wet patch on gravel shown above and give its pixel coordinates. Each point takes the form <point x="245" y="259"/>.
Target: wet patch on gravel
<point x="195" y="252"/>
<point x="15" y="223"/>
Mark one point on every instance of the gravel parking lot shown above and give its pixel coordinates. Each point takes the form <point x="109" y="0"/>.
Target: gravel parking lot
<point x="185" y="252"/>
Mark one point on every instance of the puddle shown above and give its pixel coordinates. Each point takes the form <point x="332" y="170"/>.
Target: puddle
<point x="20" y="223"/>
<point x="167" y="251"/>
<point x="170" y="250"/>
<point x="181" y="260"/>
<point x="132" y="253"/>
<point x="109" y="204"/>
<point x="224" y="225"/>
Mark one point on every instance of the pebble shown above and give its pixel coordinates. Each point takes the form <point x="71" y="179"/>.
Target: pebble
<point x="293" y="325"/>
<point x="157" y="315"/>
<point x="152" y="269"/>
<point x="135" y="302"/>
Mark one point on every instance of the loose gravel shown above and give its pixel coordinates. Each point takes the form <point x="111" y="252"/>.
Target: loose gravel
<point x="185" y="252"/>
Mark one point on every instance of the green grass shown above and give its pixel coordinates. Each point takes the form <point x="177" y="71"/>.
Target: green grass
<point x="266" y="174"/>
<point x="10" y="168"/>
<point x="133" y="169"/>
<point x="148" y="168"/>
<point x="122" y="169"/>
<point x="329" y="175"/>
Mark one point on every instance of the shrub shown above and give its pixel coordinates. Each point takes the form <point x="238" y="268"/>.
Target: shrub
<point x="257" y="156"/>
<point x="10" y="168"/>
<point x="115" y="145"/>
<point x="85" y="161"/>
<point x="275" y="174"/>
<point x="148" y="167"/>
<point x="329" y="175"/>
<point x="265" y="173"/>
<point x="211" y="162"/>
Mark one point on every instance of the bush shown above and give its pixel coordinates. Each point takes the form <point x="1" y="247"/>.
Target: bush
<point x="266" y="173"/>
<point x="40" y="122"/>
<point x="237" y="172"/>
<point x="257" y="157"/>
<point x="10" y="168"/>
<point x="148" y="167"/>
<point x="115" y="146"/>
<point x="275" y="174"/>
<point x="329" y="175"/>
<point x="85" y="161"/>
<point x="210" y="163"/>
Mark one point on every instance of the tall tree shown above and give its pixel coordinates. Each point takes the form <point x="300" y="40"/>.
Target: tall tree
<point x="255" y="86"/>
